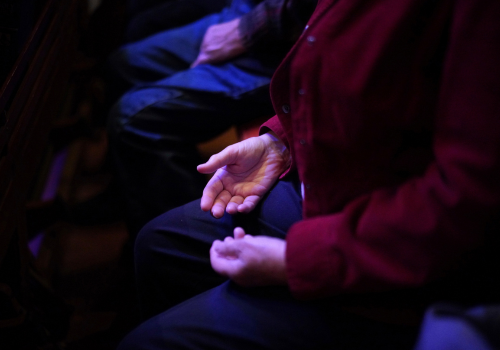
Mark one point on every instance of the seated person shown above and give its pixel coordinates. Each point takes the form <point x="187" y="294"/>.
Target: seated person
<point x="377" y="176"/>
<point x="186" y="86"/>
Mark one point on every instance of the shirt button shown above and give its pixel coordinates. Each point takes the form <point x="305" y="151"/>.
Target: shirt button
<point x="302" y="141"/>
<point x="305" y="28"/>
<point x="302" y="92"/>
<point x="311" y="39"/>
<point x="286" y="108"/>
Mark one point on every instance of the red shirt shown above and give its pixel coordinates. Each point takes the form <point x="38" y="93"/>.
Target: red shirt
<point x="391" y="111"/>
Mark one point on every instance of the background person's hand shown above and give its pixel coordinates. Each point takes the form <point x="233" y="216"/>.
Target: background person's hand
<point x="250" y="260"/>
<point x="245" y="171"/>
<point x="220" y="43"/>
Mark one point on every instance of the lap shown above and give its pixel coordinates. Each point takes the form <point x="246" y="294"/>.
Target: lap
<point x="174" y="249"/>
<point x="274" y="215"/>
<point x="170" y="51"/>
<point x="162" y="117"/>
<point x="162" y="54"/>
<point x="191" y="106"/>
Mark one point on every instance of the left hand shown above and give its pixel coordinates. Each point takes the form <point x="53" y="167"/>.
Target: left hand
<point x="250" y="260"/>
<point x="244" y="173"/>
<point x="220" y="43"/>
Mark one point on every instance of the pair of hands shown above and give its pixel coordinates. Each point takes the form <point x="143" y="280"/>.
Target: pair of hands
<point x="244" y="173"/>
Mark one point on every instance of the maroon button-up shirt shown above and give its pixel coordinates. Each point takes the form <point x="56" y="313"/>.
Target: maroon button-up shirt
<point x="391" y="111"/>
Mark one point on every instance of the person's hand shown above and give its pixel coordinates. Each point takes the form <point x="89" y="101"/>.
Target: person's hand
<point x="220" y="43"/>
<point x="250" y="261"/>
<point x="245" y="172"/>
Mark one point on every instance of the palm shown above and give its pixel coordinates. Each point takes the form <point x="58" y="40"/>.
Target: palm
<point x="247" y="170"/>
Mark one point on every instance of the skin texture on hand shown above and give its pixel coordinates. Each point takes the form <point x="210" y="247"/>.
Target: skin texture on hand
<point x="220" y="43"/>
<point x="250" y="261"/>
<point x="244" y="172"/>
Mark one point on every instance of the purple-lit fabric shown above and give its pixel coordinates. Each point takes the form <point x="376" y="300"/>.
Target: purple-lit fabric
<point x="450" y="327"/>
<point x="391" y="112"/>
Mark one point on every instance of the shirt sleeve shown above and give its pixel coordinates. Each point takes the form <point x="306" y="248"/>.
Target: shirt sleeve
<point x="275" y="21"/>
<point x="407" y="235"/>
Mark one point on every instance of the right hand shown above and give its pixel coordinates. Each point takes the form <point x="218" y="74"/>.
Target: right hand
<point x="250" y="260"/>
<point x="221" y="42"/>
<point x="245" y="172"/>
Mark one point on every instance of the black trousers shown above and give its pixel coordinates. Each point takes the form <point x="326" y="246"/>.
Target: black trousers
<point x="188" y="306"/>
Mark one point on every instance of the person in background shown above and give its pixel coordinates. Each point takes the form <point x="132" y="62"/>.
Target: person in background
<point x="185" y="86"/>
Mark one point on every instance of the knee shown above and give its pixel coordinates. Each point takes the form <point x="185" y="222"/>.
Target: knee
<point x="144" y="247"/>
<point x="152" y="238"/>
<point x="123" y="113"/>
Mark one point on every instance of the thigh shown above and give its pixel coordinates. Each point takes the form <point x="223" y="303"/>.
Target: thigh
<point x="170" y="51"/>
<point x="172" y="251"/>
<point x="280" y="208"/>
<point x="160" y="55"/>
<point x="231" y="317"/>
<point x="228" y="79"/>
<point x="190" y="107"/>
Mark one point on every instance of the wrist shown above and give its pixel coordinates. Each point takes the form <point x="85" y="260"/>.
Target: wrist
<point x="278" y="146"/>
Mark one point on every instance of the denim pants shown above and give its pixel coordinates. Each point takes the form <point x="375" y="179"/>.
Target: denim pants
<point x="169" y="108"/>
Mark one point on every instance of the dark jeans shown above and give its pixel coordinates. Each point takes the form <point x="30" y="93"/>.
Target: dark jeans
<point x="172" y="265"/>
<point x="169" y="108"/>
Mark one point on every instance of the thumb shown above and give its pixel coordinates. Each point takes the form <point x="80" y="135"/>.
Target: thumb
<point x="223" y="158"/>
<point x="239" y="233"/>
<point x="195" y="63"/>
<point x="201" y="59"/>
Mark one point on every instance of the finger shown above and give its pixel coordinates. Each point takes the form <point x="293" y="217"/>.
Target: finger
<point x="232" y="206"/>
<point x="220" y="204"/>
<point x="218" y="259"/>
<point x="195" y="63"/>
<point x="239" y="233"/>
<point x="201" y="59"/>
<point x="201" y="53"/>
<point x="225" y="249"/>
<point x="216" y="161"/>
<point x="248" y="204"/>
<point x="213" y="188"/>
<point x="224" y="264"/>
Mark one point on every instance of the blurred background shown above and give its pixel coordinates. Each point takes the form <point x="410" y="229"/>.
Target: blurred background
<point x="64" y="282"/>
